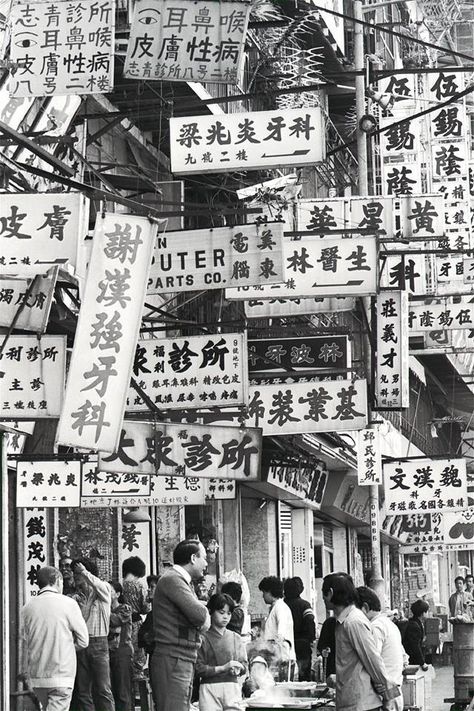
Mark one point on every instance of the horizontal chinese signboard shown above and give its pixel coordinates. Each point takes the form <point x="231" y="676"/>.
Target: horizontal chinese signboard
<point x="217" y="257"/>
<point x="270" y="307"/>
<point x="52" y="483"/>
<point x="118" y="489"/>
<point x="300" y="476"/>
<point x="38" y="230"/>
<point x="32" y="373"/>
<point x="33" y="297"/>
<point x="247" y="141"/>
<point x="186" y="450"/>
<point x="458" y="529"/>
<point x="440" y="316"/>
<point x="313" y="353"/>
<point x="323" y="267"/>
<point x="62" y="48"/>
<point x="197" y="41"/>
<point x="308" y="407"/>
<point x="193" y="372"/>
<point x="107" y="332"/>
<point x="425" y="485"/>
<point x="422" y="533"/>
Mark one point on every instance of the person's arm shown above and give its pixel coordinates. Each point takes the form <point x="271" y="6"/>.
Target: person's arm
<point x="242" y="656"/>
<point x="309" y="624"/>
<point x="193" y="609"/>
<point x="78" y="627"/>
<point x="452" y="605"/>
<point x="205" y="670"/>
<point x="363" y="642"/>
<point x="101" y="588"/>
<point x="24" y="650"/>
<point x="379" y="637"/>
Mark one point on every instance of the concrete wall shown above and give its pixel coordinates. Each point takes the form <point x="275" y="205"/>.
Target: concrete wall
<point x="259" y="547"/>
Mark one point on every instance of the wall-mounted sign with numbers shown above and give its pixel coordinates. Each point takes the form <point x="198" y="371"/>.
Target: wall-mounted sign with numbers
<point x="369" y="457"/>
<point x="290" y="355"/>
<point x="267" y="306"/>
<point x="38" y="230"/>
<point x="218" y="257"/>
<point x="190" y="40"/>
<point x="186" y="450"/>
<point x="425" y="485"/>
<point x="107" y="332"/>
<point x="52" y="483"/>
<point x="35" y="548"/>
<point x="247" y="141"/>
<point x="323" y="267"/>
<point x="442" y="315"/>
<point x="192" y="372"/>
<point x="32" y="373"/>
<point x="392" y="369"/>
<point x="62" y="48"/>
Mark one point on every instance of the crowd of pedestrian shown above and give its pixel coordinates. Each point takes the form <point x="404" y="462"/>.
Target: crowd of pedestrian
<point x="86" y="646"/>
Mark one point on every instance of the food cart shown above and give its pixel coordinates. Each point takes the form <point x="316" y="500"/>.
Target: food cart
<point x="292" y="695"/>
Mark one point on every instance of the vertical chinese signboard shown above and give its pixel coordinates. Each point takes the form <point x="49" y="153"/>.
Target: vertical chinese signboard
<point x="369" y="458"/>
<point x="201" y="41"/>
<point x="66" y="47"/>
<point x="35" y="548"/>
<point x="247" y="141"/>
<point x="425" y="485"/>
<point x="107" y="332"/>
<point x="392" y="371"/>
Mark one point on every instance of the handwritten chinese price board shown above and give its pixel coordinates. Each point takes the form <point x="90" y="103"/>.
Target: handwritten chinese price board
<point x="48" y="484"/>
<point x="38" y="230"/>
<point x="66" y="47"/>
<point x="118" y="489"/>
<point x="369" y="458"/>
<point x="392" y="370"/>
<point x="35" y="550"/>
<point x="192" y="372"/>
<point x="431" y="485"/>
<point x="220" y="489"/>
<point x="190" y="40"/>
<point x="290" y="355"/>
<point x="214" y="258"/>
<point x="322" y="267"/>
<point x="36" y="303"/>
<point x="32" y="374"/>
<point x="107" y="332"/>
<point x="308" y="407"/>
<point x="273" y="307"/>
<point x="186" y="450"/>
<point x="458" y="530"/>
<point x="300" y="477"/>
<point x="441" y="316"/>
<point x="422" y="533"/>
<point x="247" y="141"/>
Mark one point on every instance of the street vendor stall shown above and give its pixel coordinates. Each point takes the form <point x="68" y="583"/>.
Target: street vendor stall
<point x="292" y="695"/>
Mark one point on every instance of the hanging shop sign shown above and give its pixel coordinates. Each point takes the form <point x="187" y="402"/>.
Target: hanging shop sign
<point x="300" y="476"/>
<point x="406" y="272"/>
<point x="444" y="315"/>
<point x="186" y="450"/>
<point x="468" y="270"/>
<point x="402" y="178"/>
<point x="392" y="363"/>
<point x="33" y="296"/>
<point x="425" y="485"/>
<point x="449" y="159"/>
<point x="371" y="213"/>
<point x="193" y="372"/>
<point x="399" y="139"/>
<point x="290" y="355"/>
<point x="217" y="257"/>
<point x="322" y="216"/>
<point x="422" y="533"/>
<point x="119" y="489"/>
<point x="268" y="307"/>
<point x="444" y="86"/>
<point x="295" y="408"/>
<point x="323" y="267"/>
<point x="197" y="41"/>
<point x="35" y="548"/>
<point x="246" y="141"/>
<point x="422" y="216"/>
<point x="369" y="457"/>
<point x="32" y="373"/>
<point x="38" y="230"/>
<point x="220" y="489"/>
<point x="15" y="442"/>
<point x="402" y="88"/>
<point x="48" y="483"/>
<point x="107" y="332"/>
<point x="62" y="48"/>
<point x="458" y="530"/>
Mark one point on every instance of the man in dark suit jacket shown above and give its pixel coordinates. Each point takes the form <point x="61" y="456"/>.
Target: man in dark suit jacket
<point x="178" y="619"/>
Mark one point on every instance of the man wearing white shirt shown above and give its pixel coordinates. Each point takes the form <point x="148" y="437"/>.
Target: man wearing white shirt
<point x="279" y="623"/>
<point x="387" y="639"/>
